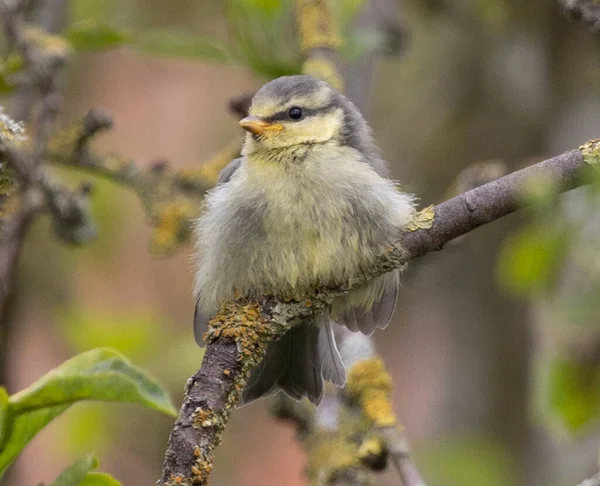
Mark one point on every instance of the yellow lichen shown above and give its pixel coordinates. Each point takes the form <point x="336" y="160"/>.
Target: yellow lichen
<point x="178" y="480"/>
<point x="373" y="453"/>
<point x="371" y="447"/>
<point x="371" y="386"/>
<point x="201" y="470"/>
<point x="422" y="220"/>
<point x="327" y="455"/>
<point x="591" y="152"/>
<point x="322" y="68"/>
<point x="202" y="418"/>
<point x="52" y="45"/>
<point x="317" y="26"/>
<point x="242" y="322"/>
<point x="173" y="225"/>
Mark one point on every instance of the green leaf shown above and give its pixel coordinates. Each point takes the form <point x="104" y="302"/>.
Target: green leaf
<point x="76" y="472"/>
<point x="99" y="374"/>
<point x="87" y="35"/>
<point x="182" y="44"/>
<point x="24" y="428"/>
<point x="573" y="392"/>
<point x="5" y="417"/>
<point x="99" y="479"/>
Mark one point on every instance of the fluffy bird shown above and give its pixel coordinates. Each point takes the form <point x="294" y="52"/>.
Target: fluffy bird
<point x="309" y="203"/>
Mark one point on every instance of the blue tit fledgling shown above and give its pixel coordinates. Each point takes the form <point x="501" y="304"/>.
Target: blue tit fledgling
<point x="309" y="203"/>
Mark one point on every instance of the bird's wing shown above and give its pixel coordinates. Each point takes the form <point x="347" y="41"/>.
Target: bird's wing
<point x="229" y="170"/>
<point x="357" y="318"/>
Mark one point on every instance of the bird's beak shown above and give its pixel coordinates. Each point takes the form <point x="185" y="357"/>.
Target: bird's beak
<point x="258" y="126"/>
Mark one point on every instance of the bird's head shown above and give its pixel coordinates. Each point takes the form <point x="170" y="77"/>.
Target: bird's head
<point x="296" y="112"/>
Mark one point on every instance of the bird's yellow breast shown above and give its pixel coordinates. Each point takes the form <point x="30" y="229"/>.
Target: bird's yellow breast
<point x="308" y="210"/>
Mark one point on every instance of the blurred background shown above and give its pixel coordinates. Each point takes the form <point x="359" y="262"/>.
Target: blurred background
<point x="494" y="345"/>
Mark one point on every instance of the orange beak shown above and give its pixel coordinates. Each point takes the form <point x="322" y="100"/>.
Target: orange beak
<point x="258" y="126"/>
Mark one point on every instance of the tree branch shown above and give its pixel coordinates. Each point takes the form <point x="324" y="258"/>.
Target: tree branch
<point x="41" y="60"/>
<point x="496" y="199"/>
<point x="170" y="197"/>
<point x="239" y="334"/>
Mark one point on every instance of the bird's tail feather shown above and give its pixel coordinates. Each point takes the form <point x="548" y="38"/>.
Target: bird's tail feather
<point x="298" y="363"/>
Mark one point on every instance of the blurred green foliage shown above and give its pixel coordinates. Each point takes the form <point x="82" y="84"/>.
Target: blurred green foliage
<point x="9" y="67"/>
<point x="262" y="35"/>
<point x="531" y="259"/>
<point x="466" y="461"/>
<point x="136" y="335"/>
<point x="573" y="392"/>
<point x="177" y="43"/>
<point x="553" y="261"/>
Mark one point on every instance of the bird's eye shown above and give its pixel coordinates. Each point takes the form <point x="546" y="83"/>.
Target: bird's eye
<point x="295" y="113"/>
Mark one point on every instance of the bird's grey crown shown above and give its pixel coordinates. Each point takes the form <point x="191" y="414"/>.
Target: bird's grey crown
<point x="286" y="88"/>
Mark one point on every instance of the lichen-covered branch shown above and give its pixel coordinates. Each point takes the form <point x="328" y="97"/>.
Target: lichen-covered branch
<point x="320" y="40"/>
<point x="240" y="333"/>
<point x="17" y="172"/>
<point x="170" y="197"/>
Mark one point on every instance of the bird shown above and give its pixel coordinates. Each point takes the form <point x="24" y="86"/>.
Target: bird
<point x="309" y="203"/>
